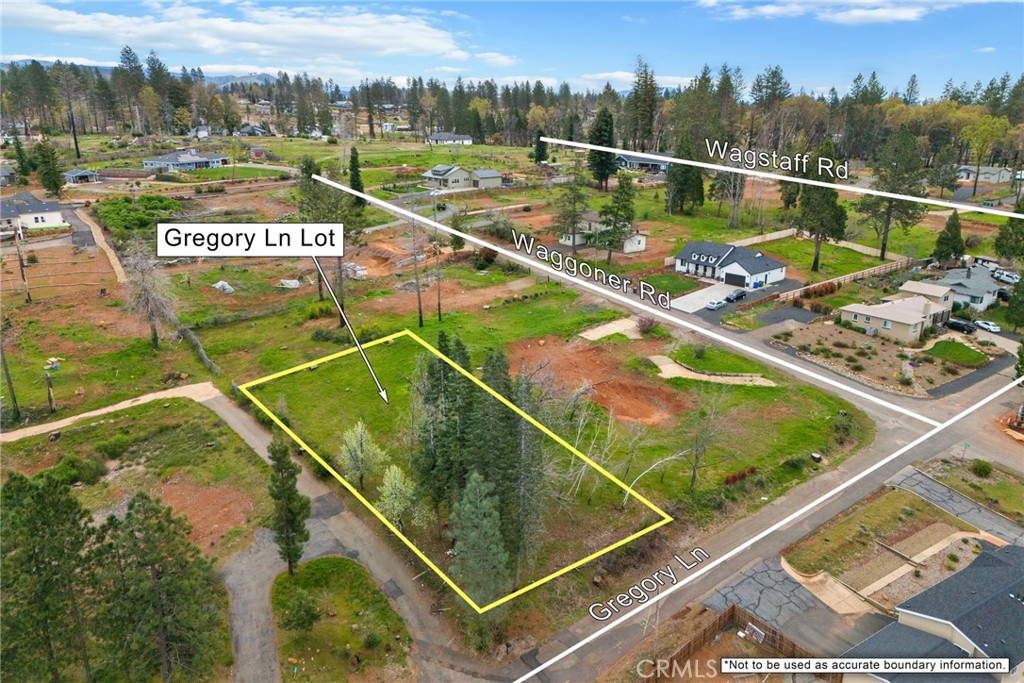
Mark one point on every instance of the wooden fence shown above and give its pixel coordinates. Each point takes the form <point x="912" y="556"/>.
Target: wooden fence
<point x="901" y="263"/>
<point x="736" y="616"/>
<point x="767" y="237"/>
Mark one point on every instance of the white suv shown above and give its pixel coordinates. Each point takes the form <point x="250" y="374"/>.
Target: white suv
<point x="1006" y="276"/>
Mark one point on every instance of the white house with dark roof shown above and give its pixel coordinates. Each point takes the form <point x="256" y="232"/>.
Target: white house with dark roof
<point x="23" y="213"/>
<point x="977" y="612"/>
<point x="449" y="139"/>
<point x="448" y="177"/>
<point x="184" y="161"/>
<point x="591" y="224"/>
<point x="81" y="175"/>
<point x="729" y="264"/>
<point x="986" y="174"/>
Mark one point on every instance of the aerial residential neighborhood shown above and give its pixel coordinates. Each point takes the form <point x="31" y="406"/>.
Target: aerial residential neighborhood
<point x="542" y="390"/>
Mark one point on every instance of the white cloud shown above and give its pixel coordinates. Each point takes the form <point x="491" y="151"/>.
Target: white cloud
<point x="623" y="80"/>
<point x="272" y="33"/>
<point x="496" y="59"/>
<point x="848" y="12"/>
<point x="986" y="49"/>
<point x="445" y="70"/>
<point x="629" y="19"/>
<point x="80" y="61"/>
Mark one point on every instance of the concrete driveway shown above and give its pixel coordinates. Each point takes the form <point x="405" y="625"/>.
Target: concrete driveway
<point x="1003" y="340"/>
<point x="695" y="301"/>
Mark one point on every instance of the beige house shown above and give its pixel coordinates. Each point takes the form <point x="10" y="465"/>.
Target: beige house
<point x="977" y="612"/>
<point x="940" y="295"/>
<point x="485" y="178"/>
<point x="447" y="177"/>
<point x="901" y="320"/>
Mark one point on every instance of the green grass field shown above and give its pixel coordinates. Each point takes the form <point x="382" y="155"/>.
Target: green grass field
<point x="835" y="260"/>
<point x="172" y="440"/>
<point x="234" y="173"/>
<point x="675" y="285"/>
<point x="1001" y="491"/>
<point x="716" y="359"/>
<point x="358" y="635"/>
<point x="957" y="353"/>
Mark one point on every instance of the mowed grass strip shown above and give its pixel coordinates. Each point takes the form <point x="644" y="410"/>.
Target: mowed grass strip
<point x="358" y="633"/>
<point x="708" y="358"/>
<point x="958" y="353"/>
<point x="848" y="539"/>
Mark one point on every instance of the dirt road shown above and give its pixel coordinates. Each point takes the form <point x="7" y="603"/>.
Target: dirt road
<point x="333" y="531"/>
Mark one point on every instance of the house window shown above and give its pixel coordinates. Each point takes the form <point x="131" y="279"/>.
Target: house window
<point x="855" y="317"/>
<point x="913" y="328"/>
<point x="867" y="318"/>
<point x="35" y="219"/>
<point x="975" y="299"/>
<point x="887" y="325"/>
<point x="946" y="298"/>
<point x="711" y="259"/>
<point x="703" y="257"/>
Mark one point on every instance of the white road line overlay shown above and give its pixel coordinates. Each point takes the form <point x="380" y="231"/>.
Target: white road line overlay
<point x="770" y="530"/>
<point x="610" y="294"/>
<point x="963" y="208"/>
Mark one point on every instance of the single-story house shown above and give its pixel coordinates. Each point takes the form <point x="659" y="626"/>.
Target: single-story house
<point x="631" y="162"/>
<point x="23" y="212"/>
<point x="258" y="153"/>
<point x="729" y="264"/>
<point x="986" y="174"/>
<point x="200" y="132"/>
<point x="590" y="224"/>
<point x="447" y="176"/>
<point x="8" y="176"/>
<point x="977" y="612"/>
<point x="902" y="320"/>
<point x="940" y="295"/>
<point x="387" y="127"/>
<point x="188" y="160"/>
<point x="81" y="175"/>
<point x="254" y="130"/>
<point x="486" y="178"/>
<point x="449" y="139"/>
<point x="974" y="286"/>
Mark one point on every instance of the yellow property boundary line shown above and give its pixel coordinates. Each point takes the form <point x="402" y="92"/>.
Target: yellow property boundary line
<point x="665" y="518"/>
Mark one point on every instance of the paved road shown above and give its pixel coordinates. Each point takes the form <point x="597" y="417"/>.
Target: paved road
<point x="82" y="237"/>
<point x="766" y="590"/>
<point x="958" y="505"/>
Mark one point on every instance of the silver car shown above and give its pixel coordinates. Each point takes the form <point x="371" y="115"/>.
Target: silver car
<point x="715" y="304"/>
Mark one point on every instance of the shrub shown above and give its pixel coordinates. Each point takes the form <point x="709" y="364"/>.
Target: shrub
<point x="857" y="367"/>
<point x="843" y="427"/>
<point x="331" y="140"/>
<point x="953" y="557"/>
<point x="980" y="468"/>
<point x="320" y="309"/>
<point x="798" y="303"/>
<point x="646" y="324"/>
<point x="328" y="334"/>
<point x="371" y="640"/>
<point x="31" y="257"/>
<point x="215" y="188"/>
<point x="72" y="469"/>
<point x="700" y="351"/>
<point x="114" y="447"/>
<point x="906" y="380"/>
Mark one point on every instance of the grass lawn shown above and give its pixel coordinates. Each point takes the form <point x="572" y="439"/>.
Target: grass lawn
<point x="177" y="450"/>
<point x="958" y="353"/>
<point x="716" y="359"/>
<point x="360" y="633"/>
<point x="1001" y="490"/>
<point x="849" y="538"/>
<point x="835" y="260"/>
<point x="675" y="285"/>
<point x="236" y="173"/>
<point x="747" y="320"/>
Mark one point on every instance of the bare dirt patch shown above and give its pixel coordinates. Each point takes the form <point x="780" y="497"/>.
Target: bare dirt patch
<point x="630" y="396"/>
<point x="58" y="271"/>
<point x="211" y="510"/>
<point x="453" y="296"/>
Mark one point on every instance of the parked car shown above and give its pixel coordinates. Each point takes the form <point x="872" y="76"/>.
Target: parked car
<point x="1003" y="294"/>
<point x="1006" y="276"/>
<point x="960" y="326"/>
<point x="715" y="304"/>
<point x="735" y="295"/>
<point x="989" y="326"/>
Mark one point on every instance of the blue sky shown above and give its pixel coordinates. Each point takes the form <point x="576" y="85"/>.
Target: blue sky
<point x="819" y="43"/>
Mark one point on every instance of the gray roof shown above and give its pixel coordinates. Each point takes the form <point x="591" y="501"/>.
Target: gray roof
<point x="441" y="171"/>
<point x="979" y="283"/>
<point x="185" y="157"/>
<point x="486" y="173"/>
<point x="8" y="209"/>
<point x="899" y="640"/>
<point x="984" y="600"/>
<point x="643" y="160"/>
<point x="751" y="261"/>
<point x="6" y="170"/>
<point x="79" y="171"/>
<point x="27" y="203"/>
<point x="443" y="137"/>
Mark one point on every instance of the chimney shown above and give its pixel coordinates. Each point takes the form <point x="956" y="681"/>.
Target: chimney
<point x="968" y="273"/>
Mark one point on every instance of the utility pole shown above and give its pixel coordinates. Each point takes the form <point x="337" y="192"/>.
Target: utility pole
<point x="15" y="411"/>
<point x="21" y="267"/>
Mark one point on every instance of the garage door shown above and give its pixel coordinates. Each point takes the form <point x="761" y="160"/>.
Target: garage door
<point x="735" y="279"/>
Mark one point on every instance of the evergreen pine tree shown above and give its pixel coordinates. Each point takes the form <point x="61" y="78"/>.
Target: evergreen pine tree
<point x="684" y="185"/>
<point x="617" y="216"/>
<point x="159" y="608"/>
<point x="1009" y="243"/>
<point x="527" y="519"/>
<point x="291" y="509"/>
<point x="602" y="133"/>
<point x="481" y="562"/>
<point x="1018" y="367"/>
<point x="540" y="148"/>
<point x="22" y="162"/>
<point x="950" y="242"/>
<point x="1015" y="306"/>
<point x="821" y="216"/>
<point x="355" y="179"/>
<point x="49" y="168"/>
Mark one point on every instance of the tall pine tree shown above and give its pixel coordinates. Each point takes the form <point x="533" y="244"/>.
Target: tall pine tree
<point x="950" y="242"/>
<point x="601" y="133"/>
<point x="821" y="216"/>
<point x="481" y="562"/>
<point x="291" y="508"/>
<point x="355" y="178"/>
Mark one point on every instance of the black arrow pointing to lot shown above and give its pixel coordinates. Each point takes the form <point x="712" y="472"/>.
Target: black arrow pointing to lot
<point x="323" y="276"/>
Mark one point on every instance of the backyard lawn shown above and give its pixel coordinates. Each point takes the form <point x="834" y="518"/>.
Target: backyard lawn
<point x="958" y="353"/>
<point x="798" y="255"/>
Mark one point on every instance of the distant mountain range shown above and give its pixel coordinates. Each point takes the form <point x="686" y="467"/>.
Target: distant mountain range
<point x="216" y="80"/>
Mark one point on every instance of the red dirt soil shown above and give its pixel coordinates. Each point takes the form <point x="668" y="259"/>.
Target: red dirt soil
<point x="632" y="397"/>
<point x="453" y="297"/>
<point x="211" y="510"/>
